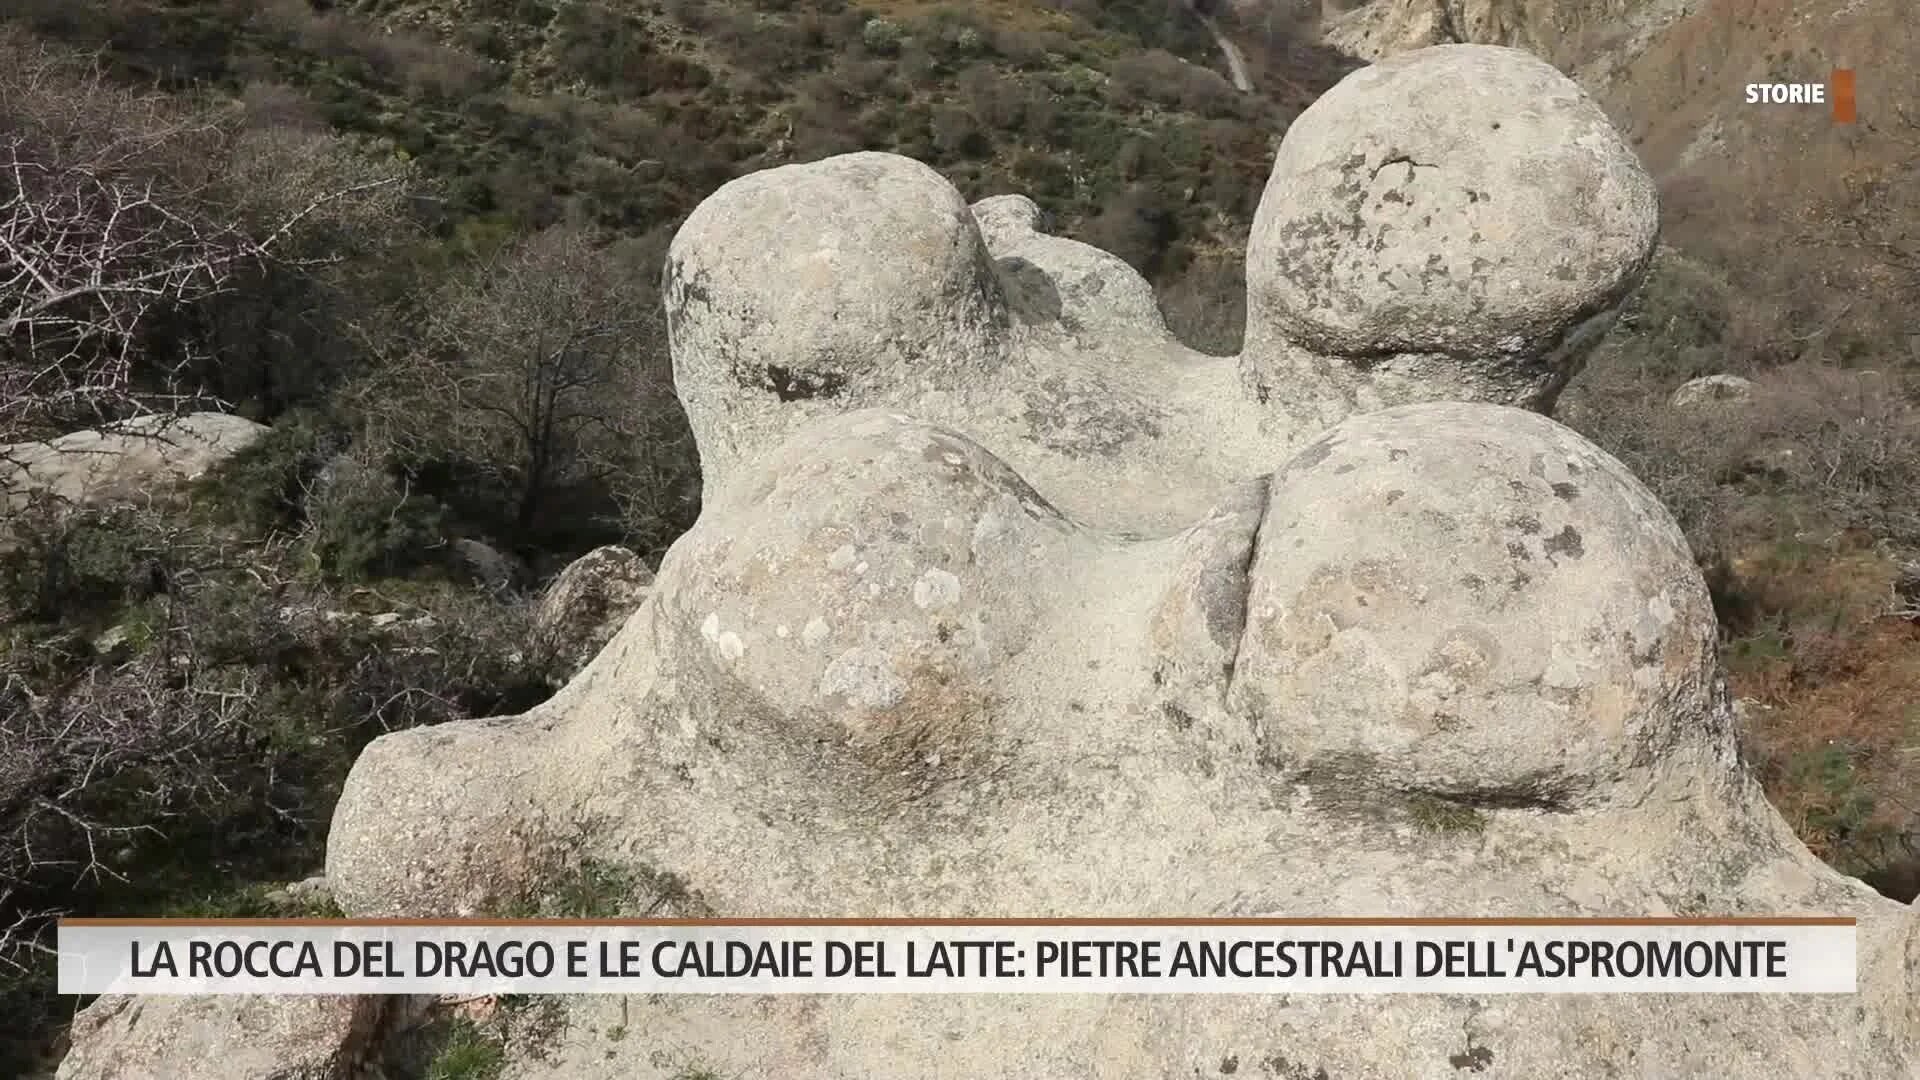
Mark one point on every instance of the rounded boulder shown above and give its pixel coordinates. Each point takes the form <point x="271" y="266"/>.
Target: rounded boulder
<point x="1473" y="601"/>
<point x="835" y="281"/>
<point x="862" y="585"/>
<point x="1467" y="200"/>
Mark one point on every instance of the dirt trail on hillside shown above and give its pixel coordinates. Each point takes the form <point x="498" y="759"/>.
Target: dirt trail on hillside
<point x="1236" y="64"/>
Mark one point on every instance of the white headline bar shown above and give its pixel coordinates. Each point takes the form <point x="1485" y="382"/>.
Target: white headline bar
<point x="1592" y="957"/>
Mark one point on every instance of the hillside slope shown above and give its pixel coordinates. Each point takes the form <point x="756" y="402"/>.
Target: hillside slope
<point x="1111" y="116"/>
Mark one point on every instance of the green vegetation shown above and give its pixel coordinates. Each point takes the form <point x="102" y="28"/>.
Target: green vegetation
<point x="466" y="1052"/>
<point x="592" y="888"/>
<point x="624" y="117"/>
<point x="1436" y="815"/>
<point x="251" y="901"/>
<point x="212" y="664"/>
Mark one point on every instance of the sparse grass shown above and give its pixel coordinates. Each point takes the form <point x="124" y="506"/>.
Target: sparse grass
<point x="592" y="888"/>
<point x="1432" y="814"/>
<point x="466" y="1052"/>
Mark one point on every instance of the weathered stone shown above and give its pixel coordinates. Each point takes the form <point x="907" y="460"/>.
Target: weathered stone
<point x="1476" y="604"/>
<point x="1005" y="220"/>
<point x="1064" y="284"/>
<point x="112" y="640"/>
<point x="1068" y="618"/>
<point x="310" y="890"/>
<point x="230" y="1037"/>
<point x="1382" y="28"/>
<point x="1709" y="390"/>
<point x="989" y="614"/>
<point x="128" y="462"/>
<point x="488" y="565"/>
<point x="1447" y="223"/>
<point x="1011" y="713"/>
<point x="586" y="604"/>
<point x="824" y="285"/>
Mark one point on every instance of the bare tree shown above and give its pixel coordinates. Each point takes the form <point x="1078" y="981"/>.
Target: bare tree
<point x="537" y="367"/>
<point x="117" y="207"/>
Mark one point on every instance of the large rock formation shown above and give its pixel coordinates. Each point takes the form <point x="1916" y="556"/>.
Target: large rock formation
<point x="129" y="461"/>
<point x="1004" y="603"/>
<point x="1571" y="33"/>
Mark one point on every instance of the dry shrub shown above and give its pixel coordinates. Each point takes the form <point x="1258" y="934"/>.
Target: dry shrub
<point x="1206" y="306"/>
<point x="1157" y="76"/>
<point x="1834" y="733"/>
<point x="1801" y="503"/>
<point x="200" y="693"/>
<point x="134" y="222"/>
<point x="418" y="64"/>
<point x="1817" y="449"/>
<point x="1855" y="442"/>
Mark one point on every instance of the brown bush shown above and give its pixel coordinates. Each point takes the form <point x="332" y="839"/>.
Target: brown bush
<point x="128" y="214"/>
<point x="1801" y="502"/>
<point x="1832" y="727"/>
<point x="222" y="705"/>
<point x="1157" y="76"/>
<point x="1138" y="226"/>
<point x="410" y="61"/>
<point x="1206" y="307"/>
<point x="1817" y="450"/>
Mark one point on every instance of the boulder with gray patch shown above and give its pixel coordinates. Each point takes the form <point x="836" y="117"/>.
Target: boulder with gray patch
<point x="586" y="604"/>
<point x="1004" y="603"/>
<point x="1709" y="391"/>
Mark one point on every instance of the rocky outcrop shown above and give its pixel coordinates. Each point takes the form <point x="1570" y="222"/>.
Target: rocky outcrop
<point x="231" y="1037"/>
<point x="1382" y="28"/>
<point x="488" y="566"/>
<point x="1573" y="34"/>
<point x="1708" y="390"/>
<point x="1001" y="602"/>
<point x="587" y="604"/>
<point x="127" y="462"/>
<point x="1450" y="225"/>
<point x="1453" y="223"/>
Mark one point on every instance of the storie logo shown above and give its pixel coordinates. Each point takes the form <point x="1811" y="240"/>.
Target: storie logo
<point x="1837" y="91"/>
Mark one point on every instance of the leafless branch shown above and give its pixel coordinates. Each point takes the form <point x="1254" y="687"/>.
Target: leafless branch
<point x="113" y="214"/>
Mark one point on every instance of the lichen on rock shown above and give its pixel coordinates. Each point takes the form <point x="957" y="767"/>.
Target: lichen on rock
<point x="1445" y="224"/>
<point x="1477" y="604"/>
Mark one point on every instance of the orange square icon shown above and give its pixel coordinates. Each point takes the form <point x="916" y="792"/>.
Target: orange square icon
<point x="1842" y="94"/>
